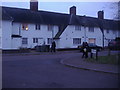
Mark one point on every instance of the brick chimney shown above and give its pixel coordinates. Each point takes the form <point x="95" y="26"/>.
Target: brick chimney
<point x="73" y="10"/>
<point x="101" y="14"/>
<point x="34" y="5"/>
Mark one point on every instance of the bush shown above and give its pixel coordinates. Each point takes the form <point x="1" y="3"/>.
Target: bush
<point x="24" y="49"/>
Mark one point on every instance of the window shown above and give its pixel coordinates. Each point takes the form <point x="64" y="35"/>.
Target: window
<point x="24" y="26"/>
<point x="37" y="26"/>
<point x="50" y="27"/>
<point x="49" y="41"/>
<point x="92" y="40"/>
<point x="91" y="29"/>
<point x="77" y="27"/>
<point x="107" y="31"/>
<point x="35" y="40"/>
<point x="24" y="40"/>
<point x="76" y="41"/>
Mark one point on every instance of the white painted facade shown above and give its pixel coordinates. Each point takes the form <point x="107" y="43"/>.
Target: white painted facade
<point x="0" y="34"/>
<point x="6" y="34"/>
<point x="9" y="42"/>
<point x="66" y="39"/>
<point x="111" y="34"/>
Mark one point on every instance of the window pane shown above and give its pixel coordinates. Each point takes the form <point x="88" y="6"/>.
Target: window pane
<point x="77" y="27"/>
<point x="24" y="26"/>
<point x="92" y="40"/>
<point x="37" y="26"/>
<point x="35" y="40"/>
<point x="24" y="41"/>
<point x="49" y="41"/>
<point x="91" y="29"/>
<point x="76" y="41"/>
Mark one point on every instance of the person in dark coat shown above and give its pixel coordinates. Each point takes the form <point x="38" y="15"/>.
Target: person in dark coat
<point x="53" y="47"/>
<point x="85" y="48"/>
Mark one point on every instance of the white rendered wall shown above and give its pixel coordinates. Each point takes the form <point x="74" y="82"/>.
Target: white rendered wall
<point x="42" y="34"/>
<point x="110" y="36"/>
<point x="0" y="34"/>
<point x="16" y="43"/>
<point x="16" y="28"/>
<point x="66" y="39"/>
<point x="6" y="34"/>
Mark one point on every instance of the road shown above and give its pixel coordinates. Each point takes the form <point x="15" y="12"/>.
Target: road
<point x="46" y="71"/>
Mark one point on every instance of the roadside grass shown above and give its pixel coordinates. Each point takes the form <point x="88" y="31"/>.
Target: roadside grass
<point x="110" y="59"/>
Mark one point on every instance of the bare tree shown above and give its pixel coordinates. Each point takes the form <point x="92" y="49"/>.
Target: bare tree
<point x="119" y="10"/>
<point x="115" y="7"/>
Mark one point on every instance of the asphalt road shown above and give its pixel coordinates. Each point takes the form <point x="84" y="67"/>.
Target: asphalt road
<point x="46" y="71"/>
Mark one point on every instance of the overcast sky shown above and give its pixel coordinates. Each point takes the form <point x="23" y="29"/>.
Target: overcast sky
<point x="83" y="8"/>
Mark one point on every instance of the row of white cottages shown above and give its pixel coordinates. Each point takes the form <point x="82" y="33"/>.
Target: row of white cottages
<point x="28" y="28"/>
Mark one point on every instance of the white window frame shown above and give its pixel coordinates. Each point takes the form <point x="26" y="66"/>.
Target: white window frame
<point x="25" y="26"/>
<point x="24" y="41"/>
<point x="49" y="40"/>
<point x="78" y="27"/>
<point x="91" y="29"/>
<point x="37" y="26"/>
<point x="76" y="41"/>
<point x="94" y="39"/>
<point x="35" y="40"/>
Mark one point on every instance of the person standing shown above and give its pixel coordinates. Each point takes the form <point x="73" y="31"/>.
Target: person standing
<point x="85" y="48"/>
<point x="53" y="47"/>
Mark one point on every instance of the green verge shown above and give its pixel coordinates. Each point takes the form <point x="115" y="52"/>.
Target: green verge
<point x="110" y="59"/>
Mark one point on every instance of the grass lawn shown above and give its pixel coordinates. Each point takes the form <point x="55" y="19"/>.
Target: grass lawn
<point x="110" y="59"/>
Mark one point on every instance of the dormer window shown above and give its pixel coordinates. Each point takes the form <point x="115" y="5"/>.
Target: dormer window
<point x="25" y="27"/>
<point x="77" y="27"/>
<point x="91" y="29"/>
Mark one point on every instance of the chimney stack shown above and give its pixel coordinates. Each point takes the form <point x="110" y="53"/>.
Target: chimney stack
<point x="34" y="5"/>
<point x="73" y="10"/>
<point x="101" y="14"/>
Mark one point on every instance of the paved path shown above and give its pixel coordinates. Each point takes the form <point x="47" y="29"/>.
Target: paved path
<point x="78" y="62"/>
<point x="81" y="63"/>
